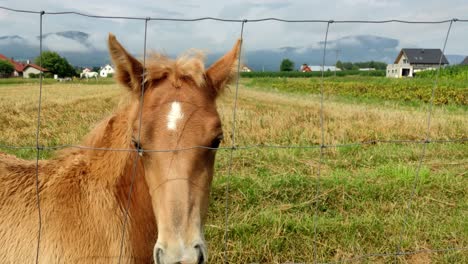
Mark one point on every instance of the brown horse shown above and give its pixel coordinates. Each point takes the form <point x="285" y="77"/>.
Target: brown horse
<point x="83" y="192"/>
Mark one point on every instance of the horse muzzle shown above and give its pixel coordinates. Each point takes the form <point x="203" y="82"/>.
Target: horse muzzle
<point x="181" y="255"/>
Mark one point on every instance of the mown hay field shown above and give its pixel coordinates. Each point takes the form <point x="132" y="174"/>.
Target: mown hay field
<point x="363" y="190"/>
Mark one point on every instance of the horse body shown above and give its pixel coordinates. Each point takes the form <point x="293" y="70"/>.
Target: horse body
<point x="82" y="204"/>
<point x="83" y="192"/>
<point x="88" y="75"/>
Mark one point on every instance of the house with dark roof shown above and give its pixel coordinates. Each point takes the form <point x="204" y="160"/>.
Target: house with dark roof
<point x="411" y="61"/>
<point x="465" y="61"/>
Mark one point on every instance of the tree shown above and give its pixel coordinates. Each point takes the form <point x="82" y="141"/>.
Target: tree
<point x="287" y="65"/>
<point x="339" y="65"/>
<point x="6" y="68"/>
<point x="365" y="64"/>
<point x="347" y="65"/>
<point x="56" y="64"/>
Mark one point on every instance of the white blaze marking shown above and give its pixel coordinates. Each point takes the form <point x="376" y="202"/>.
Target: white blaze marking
<point x="174" y="115"/>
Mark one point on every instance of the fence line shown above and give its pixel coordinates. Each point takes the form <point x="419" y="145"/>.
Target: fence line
<point x="322" y="142"/>
<point x="38" y="148"/>
<point x="239" y="20"/>
<point x="423" y="152"/>
<point x="138" y="146"/>
<point x="247" y="147"/>
<point x="233" y="147"/>
<point x="233" y="144"/>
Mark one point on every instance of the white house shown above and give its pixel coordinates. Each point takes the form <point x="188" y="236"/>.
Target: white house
<point x="32" y="68"/>
<point x="246" y="68"/>
<point x="411" y="61"/>
<point x="317" y="68"/>
<point x="106" y="70"/>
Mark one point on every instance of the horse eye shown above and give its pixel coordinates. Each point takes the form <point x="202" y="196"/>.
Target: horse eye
<point x="215" y="143"/>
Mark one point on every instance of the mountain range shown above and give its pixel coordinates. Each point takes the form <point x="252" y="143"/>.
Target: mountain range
<point x="350" y="48"/>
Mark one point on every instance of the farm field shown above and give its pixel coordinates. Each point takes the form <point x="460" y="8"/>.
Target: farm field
<point x="363" y="190"/>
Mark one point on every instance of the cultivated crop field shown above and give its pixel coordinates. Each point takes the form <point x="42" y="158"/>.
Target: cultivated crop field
<point x="363" y="190"/>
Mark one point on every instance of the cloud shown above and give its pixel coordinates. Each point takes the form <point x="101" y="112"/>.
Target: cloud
<point x="218" y="36"/>
<point x="372" y="3"/>
<point x="11" y="40"/>
<point x="62" y="44"/>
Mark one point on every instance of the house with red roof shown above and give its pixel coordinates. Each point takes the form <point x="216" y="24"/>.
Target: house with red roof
<point x="305" y="68"/>
<point x="18" y="65"/>
<point x="23" y="69"/>
<point x="32" y="68"/>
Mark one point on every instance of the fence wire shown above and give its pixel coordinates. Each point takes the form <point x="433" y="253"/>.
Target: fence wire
<point x="38" y="147"/>
<point x="247" y="147"/>
<point x="424" y="147"/>
<point x="322" y="143"/>
<point x="138" y="146"/>
<point x="139" y="151"/>
<point x="233" y="145"/>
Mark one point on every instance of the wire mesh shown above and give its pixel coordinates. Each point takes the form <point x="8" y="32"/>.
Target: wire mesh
<point x="424" y="147"/>
<point x="427" y="140"/>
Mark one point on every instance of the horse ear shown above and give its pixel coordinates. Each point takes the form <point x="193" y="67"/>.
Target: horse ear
<point x="224" y="70"/>
<point x="129" y="71"/>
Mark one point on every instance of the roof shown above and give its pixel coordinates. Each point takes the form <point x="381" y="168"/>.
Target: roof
<point x="37" y="67"/>
<point x="465" y="61"/>
<point x="19" y="67"/>
<point x="422" y="56"/>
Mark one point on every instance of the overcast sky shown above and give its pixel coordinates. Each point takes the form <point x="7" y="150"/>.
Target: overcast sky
<point x="212" y="36"/>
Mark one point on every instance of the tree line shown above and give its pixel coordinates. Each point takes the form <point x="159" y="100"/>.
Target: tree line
<point x="288" y="65"/>
<point x="358" y="65"/>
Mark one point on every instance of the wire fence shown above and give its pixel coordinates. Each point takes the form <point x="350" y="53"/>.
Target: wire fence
<point x="427" y="140"/>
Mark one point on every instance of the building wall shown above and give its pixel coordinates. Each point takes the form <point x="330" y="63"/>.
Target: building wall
<point x="403" y="60"/>
<point x="396" y="70"/>
<point x="106" y="70"/>
<point x="29" y="70"/>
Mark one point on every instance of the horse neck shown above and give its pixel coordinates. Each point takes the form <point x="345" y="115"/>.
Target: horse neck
<point x="111" y="156"/>
<point x="113" y="172"/>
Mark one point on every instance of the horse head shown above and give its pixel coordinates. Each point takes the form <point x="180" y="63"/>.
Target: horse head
<point x="178" y="114"/>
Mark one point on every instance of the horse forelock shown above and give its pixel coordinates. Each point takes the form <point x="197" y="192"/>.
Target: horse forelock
<point x="189" y="65"/>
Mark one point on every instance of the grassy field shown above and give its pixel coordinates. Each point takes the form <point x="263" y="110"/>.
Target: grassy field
<point x="373" y="89"/>
<point x="363" y="190"/>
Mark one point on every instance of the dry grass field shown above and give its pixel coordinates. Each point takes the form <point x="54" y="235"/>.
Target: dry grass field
<point x="363" y="190"/>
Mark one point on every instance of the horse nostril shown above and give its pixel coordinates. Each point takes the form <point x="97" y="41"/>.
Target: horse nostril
<point x="159" y="252"/>
<point x="201" y="257"/>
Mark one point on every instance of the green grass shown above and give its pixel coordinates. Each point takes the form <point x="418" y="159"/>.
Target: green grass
<point x="363" y="196"/>
<point x="371" y="89"/>
<point x="455" y="72"/>
<point x="297" y="74"/>
<point x="363" y="191"/>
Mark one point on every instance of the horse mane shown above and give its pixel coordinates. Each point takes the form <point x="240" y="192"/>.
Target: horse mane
<point x="189" y="65"/>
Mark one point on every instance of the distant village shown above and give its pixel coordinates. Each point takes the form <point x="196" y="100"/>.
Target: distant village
<point x="408" y="63"/>
<point x="27" y="69"/>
